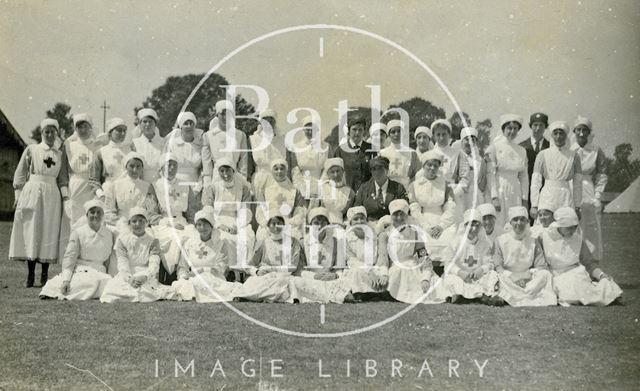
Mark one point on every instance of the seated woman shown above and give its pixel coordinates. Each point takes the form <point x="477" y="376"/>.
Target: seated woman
<point x="318" y="281"/>
<point x="544" y="218"/>
<point x="138" y="255"/>
<point x="433" y="207"/>
<point x="404" y="162"/>
<point x="281" y="196"/>
<point x="469" y="271"/>
<point x="524" y="276"/>
<point x="361" y="241"/>
<point x="335" y="195"/>
<point x="378" y="192"/>
<point x="230" y="194"/>
<point x="489" y="215"/>
<point x="276" y="259"/>
<point x="403" y="258"/>
<point x="573" y="265"/>
<point x="174" y="203"/>
<point x="84" y="274"/>
<point x="204" y="263"/>
<point x="128" y="192"/>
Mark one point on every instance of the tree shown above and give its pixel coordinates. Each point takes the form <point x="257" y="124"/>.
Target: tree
<point x="168" y="99"/>
<point x="457" y="124"/>
<point x="62" y="113"/>
<point x="421" y="113"/>
<point x="620" y="170"/>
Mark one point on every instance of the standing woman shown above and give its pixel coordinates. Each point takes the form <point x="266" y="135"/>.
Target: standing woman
<point x="441" y="130"/>
<point x="307" y="160"/>
<point x="423" y="141"/>
<point x="262" y="157"/>
<point x="559" y="166"/>
<point x="80" y="153"/>
<point x="107" y="163"/>
<point x="594" y="180"/>
<point x="335" y="195"/>
<point x="403" y="161"/>
<point x="355" y="153"/>
<point x="150" y="143"/>
<point x="185" y="144"/>
<point x="470" y="174"/>
<point x="507" y="178"/>
<point x="39" y="180"/>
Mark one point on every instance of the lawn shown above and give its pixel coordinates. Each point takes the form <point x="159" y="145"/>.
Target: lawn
<point x="93" y="346"/>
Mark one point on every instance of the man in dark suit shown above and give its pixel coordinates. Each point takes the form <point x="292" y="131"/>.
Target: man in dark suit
<point x="538" y="122"/>
<point x="355" y="153"/>
<point x="376" y="194"/>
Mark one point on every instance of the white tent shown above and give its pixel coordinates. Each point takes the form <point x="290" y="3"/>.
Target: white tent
<point x="627" y="201"/>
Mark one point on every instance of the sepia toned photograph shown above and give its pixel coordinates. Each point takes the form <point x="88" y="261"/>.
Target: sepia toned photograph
<point x="303" y="195"/>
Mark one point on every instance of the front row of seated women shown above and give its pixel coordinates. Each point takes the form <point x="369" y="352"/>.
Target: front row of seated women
<point x="333" y="264"/>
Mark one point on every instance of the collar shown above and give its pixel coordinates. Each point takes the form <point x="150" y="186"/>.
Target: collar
<point x="354" y="145"/>
<point x="47" y="147"/>
<point x="384" y="185"/>
<point x="533" y="141"/>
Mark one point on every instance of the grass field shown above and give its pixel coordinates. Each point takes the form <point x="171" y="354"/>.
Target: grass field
<point x="48" y="344"/>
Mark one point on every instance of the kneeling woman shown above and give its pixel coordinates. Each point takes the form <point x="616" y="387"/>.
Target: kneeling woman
<point x="469" y="271"/>
<point x="84" y="274"/>
<point x="319" y="282"/>
<point x="401" y="248"/>
<point x="275" y="260"/>
<point x="522" y="269"/>
<point x="573" y="265"/>
<point x="204" y="263"/>
<point x="138" y="256"/>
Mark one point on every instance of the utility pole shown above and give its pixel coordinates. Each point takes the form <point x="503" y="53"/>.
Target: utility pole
<point x="104" y="107"/>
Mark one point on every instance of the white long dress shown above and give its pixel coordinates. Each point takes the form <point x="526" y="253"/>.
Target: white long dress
<point x="201" y="271"/>
<point x="403" y="165"/>
<point x="152" y="150"/>
<point x="431" y="204"/>
<point x="137" y="256"/>
<point x="83" y="265"/>
<point x="466" y="255"/>
<point x="80" y="155"/>
<point x="571" y="263"/>
<point x="36" y="225"/>
<point x="518" y="257"/>
<point x="307" y="166"/>
<point x="280" y="258"/>
<point x="507" y="178"/>
<point x="408" y="264"/>
<point x="594" y="180"/>
<point x="560" y="168"/>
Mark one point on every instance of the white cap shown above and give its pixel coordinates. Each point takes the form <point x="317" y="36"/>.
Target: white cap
<point x="506" y="118"/>
<point x="423" y="129"/>
<point x="468" y="132"/>
<point x="186" y="116"/>
<point x="352" y="212"/>
<point x="114" y="123"/>
<point x="487" y="210"/>
<point x="399" y="204"/>
<point x="93" y="203"/>
<point x="319" y="211"/>
<point x="146" y="112"/>
<point x="470" y="215"/>
<point x="442" y="122"/>
<point x="559" y="125"/>
<point x="335" y="161"/>
<point x="134" y="155"/>
<point x="565" y="217"/>
<point x="222" y="105"/>
<point x="82" y="117"/>
<point x="138" y="211"/>
<point x="268" y="113"/>
<point x="517" y="211"/>
<point x="583" y="121"/>
<point x="49" y="122"/>
<point x="206" y="213"/>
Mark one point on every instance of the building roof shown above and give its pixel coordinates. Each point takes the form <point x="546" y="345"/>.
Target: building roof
<point x="9" y="131"/>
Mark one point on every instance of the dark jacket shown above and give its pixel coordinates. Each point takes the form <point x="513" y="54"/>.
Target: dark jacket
<point x="356" y="164"/>
<point x="366" y="196"/>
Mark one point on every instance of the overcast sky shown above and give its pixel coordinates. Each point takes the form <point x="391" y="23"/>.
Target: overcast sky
<point x="562" y="57"/>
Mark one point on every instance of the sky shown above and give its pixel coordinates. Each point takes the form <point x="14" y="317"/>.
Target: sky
<point x="564" y="58"/>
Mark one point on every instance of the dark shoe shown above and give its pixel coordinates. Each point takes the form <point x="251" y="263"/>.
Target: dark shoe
<point x="496" y="301"/>
<point x="28" y="283"/>
<point x="456" y="299"/>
